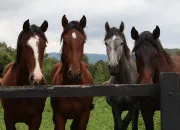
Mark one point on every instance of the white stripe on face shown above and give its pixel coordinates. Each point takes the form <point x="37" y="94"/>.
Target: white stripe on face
<point x="74" y="35"/>
<point x="114" y="49"/>
<point x="33" y="43"/>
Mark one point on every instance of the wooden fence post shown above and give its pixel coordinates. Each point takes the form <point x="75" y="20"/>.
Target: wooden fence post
<point x="170" y="101"/>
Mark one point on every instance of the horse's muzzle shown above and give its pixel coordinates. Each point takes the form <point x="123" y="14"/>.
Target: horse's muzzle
<point x="34" y="81"/>
<point x="113" y="69"/>
<point x="74" y="76"/>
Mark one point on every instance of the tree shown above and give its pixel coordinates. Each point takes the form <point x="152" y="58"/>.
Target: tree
<point x="4" y="60"/>
<point x="48" y="64"/>
<point x="101" y="71"/>
<point x="99" y="74"/>
<point x="85" y="58"/>
<point x="178" y="52"/>
<point x="7" y="54"/>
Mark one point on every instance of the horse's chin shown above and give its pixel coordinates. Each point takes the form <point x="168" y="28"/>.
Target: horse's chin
<point x="34" y="83"/>
<point x="113" y="72"/>
<point x="74" y="79"/>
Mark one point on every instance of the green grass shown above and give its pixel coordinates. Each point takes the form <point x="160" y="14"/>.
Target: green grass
<point x="100" y="118"/>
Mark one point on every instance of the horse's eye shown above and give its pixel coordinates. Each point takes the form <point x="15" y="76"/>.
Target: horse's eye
<point x="106" y="43"/>
<point x="122" y="43"/>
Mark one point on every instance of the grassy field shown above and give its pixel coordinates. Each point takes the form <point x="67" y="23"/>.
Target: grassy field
<point x="100" y="118"/>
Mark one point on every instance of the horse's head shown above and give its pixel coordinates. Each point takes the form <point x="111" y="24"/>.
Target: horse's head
<point x="148" y="52"/>
<point x="30" y="50"/>
<point x="116" y="46"/>
<point x="73" y="38"/>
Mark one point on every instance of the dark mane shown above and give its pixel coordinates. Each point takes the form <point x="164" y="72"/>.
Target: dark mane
<point x="114" y="31"/>
<point x="148" y="36"/>
<point x="71" y="25"/>
<point x="34" y="30"/>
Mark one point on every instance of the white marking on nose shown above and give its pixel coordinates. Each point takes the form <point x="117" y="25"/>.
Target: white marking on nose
<point x="33" y="43"/>
<point x="74" y="35"/>
<point x="112" y="54"/>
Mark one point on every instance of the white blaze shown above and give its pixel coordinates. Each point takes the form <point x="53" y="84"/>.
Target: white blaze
<point x="114" y="37"/>
<point x="33" y="43"/>
<point x="74" y="35"/>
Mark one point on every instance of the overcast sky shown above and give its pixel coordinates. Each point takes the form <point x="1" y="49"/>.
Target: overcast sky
<point x="143" y="14"/>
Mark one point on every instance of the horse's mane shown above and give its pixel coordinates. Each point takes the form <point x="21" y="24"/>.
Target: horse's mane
<point x="34" y="30"/>
<point x="71" y="25"/>
<point x="114" y="31"/>
<point x="148" y="36"/>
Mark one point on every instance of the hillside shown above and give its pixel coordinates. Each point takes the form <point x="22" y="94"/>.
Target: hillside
<point x="93" y="58"/>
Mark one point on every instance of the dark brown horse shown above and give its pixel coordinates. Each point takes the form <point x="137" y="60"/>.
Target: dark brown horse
<point x="0" y="80"/>
<point x="151" y="60"/>
<point x="26" y="70"/>
<point x="72" y="71"/>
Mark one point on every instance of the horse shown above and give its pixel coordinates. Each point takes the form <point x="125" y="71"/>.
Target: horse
<point x="71" y="70"/>
<point x="151" y="60"/>
<point x="26" y="70"/>
<point x="123" y="71"/>
<point x="0" y="80"/>
<point x="176" y="60"/>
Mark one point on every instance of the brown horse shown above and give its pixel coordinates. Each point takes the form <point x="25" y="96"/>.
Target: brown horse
<point x="151" y="60"/>
<point x="26" y="70"/>
<point x="0" y="80"/>
<point x="72" y="71"/>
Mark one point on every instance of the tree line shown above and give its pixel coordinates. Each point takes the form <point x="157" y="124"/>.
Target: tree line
<point x="99" y="70"/>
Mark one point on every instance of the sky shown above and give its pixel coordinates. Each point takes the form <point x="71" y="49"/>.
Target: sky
<point x="143" y="14"/>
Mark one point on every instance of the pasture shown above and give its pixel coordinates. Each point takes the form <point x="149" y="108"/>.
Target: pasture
<point x="100" y="119"/>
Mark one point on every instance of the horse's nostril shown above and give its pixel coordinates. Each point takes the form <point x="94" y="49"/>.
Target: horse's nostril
<point x="79" y="74"/>
<point x="108" y="65"/>
<point x="31" y="78"/>
<point x="69" y="72"/>
<point x="116" y="66"/>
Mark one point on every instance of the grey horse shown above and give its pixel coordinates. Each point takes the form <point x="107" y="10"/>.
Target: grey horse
<point x="123" y="71"/>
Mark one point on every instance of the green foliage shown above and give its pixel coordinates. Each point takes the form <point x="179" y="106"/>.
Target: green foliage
<point x="7" y="54"/>
<point x="85" y="58"/>
<point x="178" y="52"/>
<point x="48" y="64"/>
<point x="101" y="72"/>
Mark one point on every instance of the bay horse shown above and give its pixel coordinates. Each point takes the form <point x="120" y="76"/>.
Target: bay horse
<point x="123" y="71"/>
<point x="26" y="70"/>
<point x="71" y="70"/>
<point x="151" y="60"/>
<point x="0" y="80"/>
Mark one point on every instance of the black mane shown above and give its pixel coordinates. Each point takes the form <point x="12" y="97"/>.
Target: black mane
<point x="34" y="30"/>
<point x="148" y="36"/>
<point x="114" y="31"/>
<point x="73" y="25"/>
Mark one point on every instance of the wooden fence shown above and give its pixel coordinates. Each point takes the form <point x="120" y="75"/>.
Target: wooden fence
<point x="168" y="90"/>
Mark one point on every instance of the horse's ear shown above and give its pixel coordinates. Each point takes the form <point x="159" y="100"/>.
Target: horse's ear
<point x="44" y="26"/>
<point x="107" y="27"/>
<point x="83" y="22"/>
<point x="26" y="25"/>
<point x="134" y="33"/>
<point x="156" y="32"/>
<point x="121" y="27"/>
<point x="64" y="21"/>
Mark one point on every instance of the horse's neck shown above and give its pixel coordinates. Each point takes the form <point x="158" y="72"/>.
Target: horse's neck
<point x="22" y="74"/>
<point x="164" y="67"/>
<point x="124" y="74"/>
